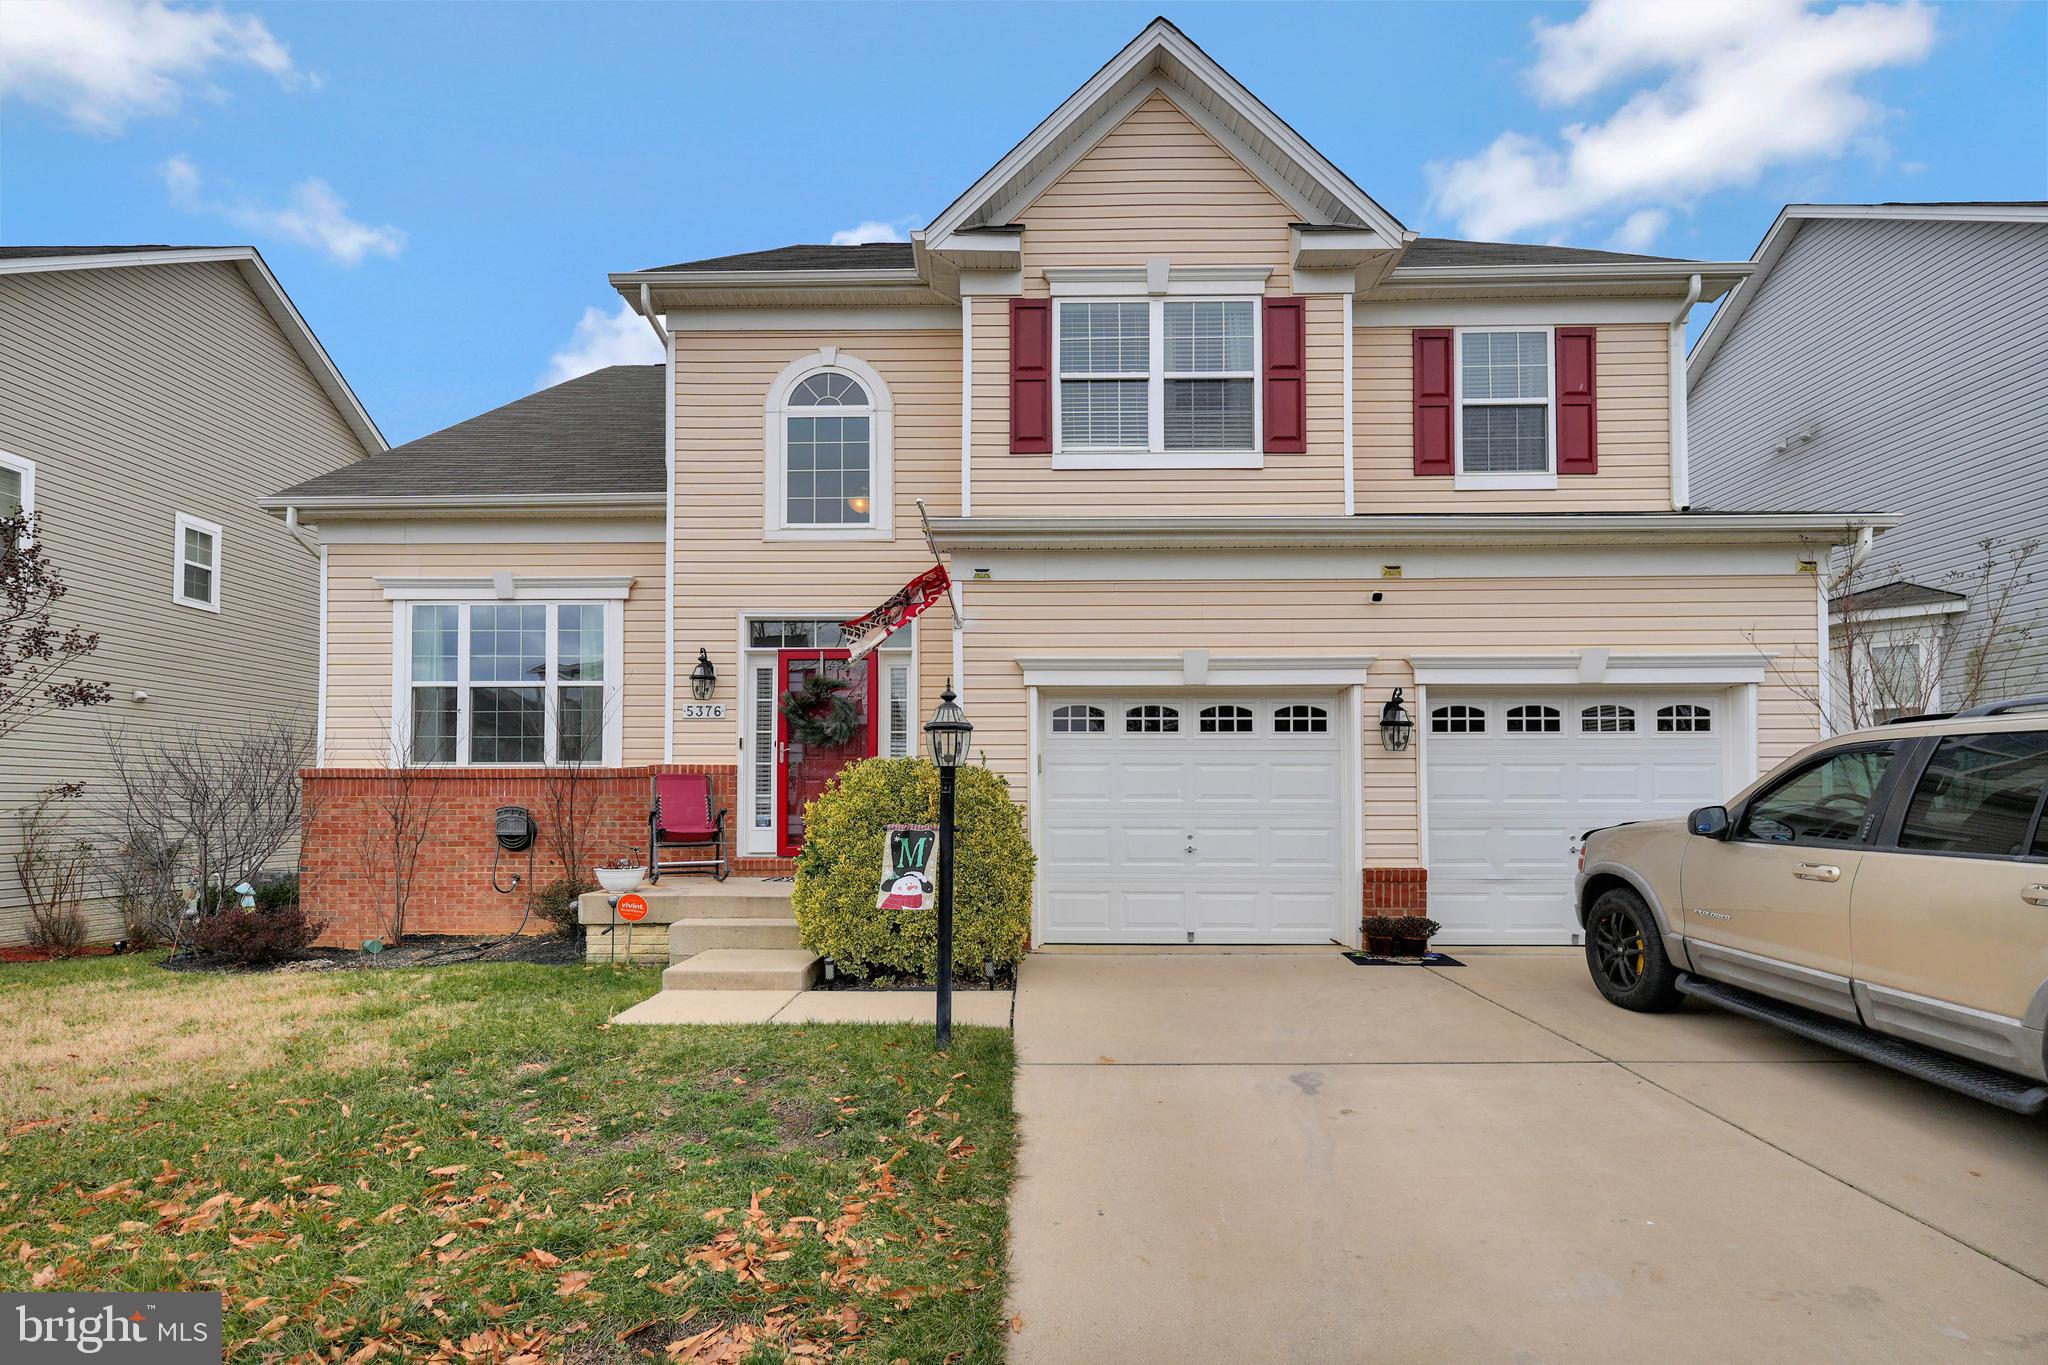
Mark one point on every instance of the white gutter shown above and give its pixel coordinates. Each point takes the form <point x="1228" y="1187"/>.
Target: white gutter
<point x="1681" y="465"/>
<point x="647" y="311"/>
<point x="291" y="528"/>
<point x="668" y="503"/>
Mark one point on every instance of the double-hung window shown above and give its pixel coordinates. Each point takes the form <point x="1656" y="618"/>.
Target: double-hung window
<point x="1164" y="376"/>
<point x="1506" y="408"/>
<point x="195" y="580"/>
<point x="829" y="421"/>
<point x="17" y="485"/>
<point x="508" y="682"/>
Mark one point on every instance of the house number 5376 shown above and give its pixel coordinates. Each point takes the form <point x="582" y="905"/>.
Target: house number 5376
<point x="703" y="710"/>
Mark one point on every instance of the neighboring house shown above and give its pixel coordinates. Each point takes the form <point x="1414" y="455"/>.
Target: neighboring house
<point x="1890" y="354"/>
<point x="1220" y="456"/>
<point x="148" y="396"/>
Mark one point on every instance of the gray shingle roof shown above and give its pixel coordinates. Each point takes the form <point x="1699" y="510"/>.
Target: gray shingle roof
<point x="1895" y="595"/>
<point x="1449" y="251"/>
<point x="17" y="253"/>
<point x="600" y="433"/>
<point x="867" y="256"/>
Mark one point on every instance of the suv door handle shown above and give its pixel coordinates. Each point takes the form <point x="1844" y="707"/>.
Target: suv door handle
<point x="1817" y="872"/>
<point x="2037" y="894"/>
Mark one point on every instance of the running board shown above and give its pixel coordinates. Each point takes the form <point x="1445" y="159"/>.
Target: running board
<point x="1992" y="1086"/>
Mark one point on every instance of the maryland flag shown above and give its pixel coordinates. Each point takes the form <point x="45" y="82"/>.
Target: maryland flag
<point x="864" y="633"/>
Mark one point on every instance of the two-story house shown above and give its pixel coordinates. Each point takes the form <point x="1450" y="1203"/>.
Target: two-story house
<point x="1890" y="353"/>
<point x="149" y="395"/>
<point x="1221" y="457"/>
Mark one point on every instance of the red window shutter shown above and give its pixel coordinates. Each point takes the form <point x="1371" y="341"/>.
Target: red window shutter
<point x="1434" y="356"/>
<point x="1286" y="377"/>
<point x="1031" y="376"/>
<point x="1577" y="429"/>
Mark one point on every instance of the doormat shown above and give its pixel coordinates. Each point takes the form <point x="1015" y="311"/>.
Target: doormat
<point x="1426" y="960"/>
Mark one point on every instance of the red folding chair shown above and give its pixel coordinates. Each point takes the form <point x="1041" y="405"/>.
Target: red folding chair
<point x="683" y="817"/>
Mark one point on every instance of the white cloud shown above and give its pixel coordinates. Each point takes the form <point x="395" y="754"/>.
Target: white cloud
<point x="104" y="62"/>
<point x="1639" y="231"/>
<point x="1744" y="87"/>
<point x="621" y="338"/>
<point x="315" y="217"/>
<point x="870" y="231"/>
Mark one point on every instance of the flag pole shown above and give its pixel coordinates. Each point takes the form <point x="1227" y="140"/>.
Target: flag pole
<point x="931" y="543"/>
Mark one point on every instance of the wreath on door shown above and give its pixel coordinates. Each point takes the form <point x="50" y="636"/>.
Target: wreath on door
<point x="819" y="713"/>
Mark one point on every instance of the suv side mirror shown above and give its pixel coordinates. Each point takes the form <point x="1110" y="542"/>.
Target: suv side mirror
<point x="1709" y="822"/>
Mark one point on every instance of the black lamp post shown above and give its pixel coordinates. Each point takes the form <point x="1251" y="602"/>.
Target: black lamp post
<point x="1396" y="728"/>
<point x="949" y="732"/>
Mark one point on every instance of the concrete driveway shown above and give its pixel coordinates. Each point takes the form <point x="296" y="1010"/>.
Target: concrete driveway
<point x="1245" y="1156"/>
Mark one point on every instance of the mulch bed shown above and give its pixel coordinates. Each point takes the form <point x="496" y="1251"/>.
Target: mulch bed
<point x="24" y="953"/>
<point x="1425" y="960"/>
<point x="418" y="950"/>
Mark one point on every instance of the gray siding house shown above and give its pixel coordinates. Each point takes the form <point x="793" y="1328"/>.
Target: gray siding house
<point x="1893" y="355"/>
<point x="148" y="397"/>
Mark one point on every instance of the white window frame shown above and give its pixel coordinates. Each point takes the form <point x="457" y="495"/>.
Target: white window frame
<point x="1920" y="637"/>
<point x="27" y="469"/>
<point x="1547" y="478"/>
<point x="402" y="682"/>
<point x="1155" y="455"/>
<point x="881" y="450"/>
<point x="182" y="523"/>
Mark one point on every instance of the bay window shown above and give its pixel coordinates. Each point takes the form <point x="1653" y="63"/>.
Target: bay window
<point x="518" y="682"/>
<point x="1163" y="375"/>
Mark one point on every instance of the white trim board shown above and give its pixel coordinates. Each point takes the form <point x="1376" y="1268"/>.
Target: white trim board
<point x="1196" y="668"/>
<point x="507" y="587"/>
<point x="833" y="321"/>
<point x="1194" y="566"/>
<point x="521" y="533"/>
<point x="1592" y="667"/>
<point x="1510" y="312"/>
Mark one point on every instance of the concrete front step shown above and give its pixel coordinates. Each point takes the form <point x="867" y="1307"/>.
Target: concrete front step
<point x="745" y="969"/>
<point x="678" y="898"/>
<point x="687" y="937"/>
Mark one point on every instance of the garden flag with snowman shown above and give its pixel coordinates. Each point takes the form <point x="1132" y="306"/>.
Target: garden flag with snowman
<point x="908" y="855"/>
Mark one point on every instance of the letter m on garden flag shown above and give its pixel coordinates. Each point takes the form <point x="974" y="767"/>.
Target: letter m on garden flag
<point x="864" y="633"/>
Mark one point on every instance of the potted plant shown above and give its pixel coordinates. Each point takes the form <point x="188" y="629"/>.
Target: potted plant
<point x="621" y="875"/>
<point x="1379" y="934"/>
<point x="1411" y="935"/>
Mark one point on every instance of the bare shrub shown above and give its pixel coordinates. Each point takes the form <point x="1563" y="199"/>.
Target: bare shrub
<point x="53" y="865"/>
<point x="145" y="875"/>
<point x="254" y="937"/>
<point x="398" y="823"/>
<point x="37" y="655"/>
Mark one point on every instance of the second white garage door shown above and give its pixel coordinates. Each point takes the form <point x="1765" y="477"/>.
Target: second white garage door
<point x="1515" y="778"/>
<point x="1182" y="818"/>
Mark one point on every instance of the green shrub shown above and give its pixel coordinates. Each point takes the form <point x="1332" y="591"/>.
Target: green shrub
<point x="840" y="868"/>
<point x="557" y="903"/>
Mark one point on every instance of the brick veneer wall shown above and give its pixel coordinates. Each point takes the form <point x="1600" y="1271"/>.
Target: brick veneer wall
<point x="1396" y="891"/>
<point x="346" y="878"/>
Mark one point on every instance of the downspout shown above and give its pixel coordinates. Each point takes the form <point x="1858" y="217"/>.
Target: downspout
<point x="292" y="529"/>
<point x="1681" y="468"/>
<point x="668" y="628"/>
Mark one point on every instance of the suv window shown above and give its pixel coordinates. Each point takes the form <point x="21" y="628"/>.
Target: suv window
<point x="1825" y="802"/>
<point x="1978" y="795"/>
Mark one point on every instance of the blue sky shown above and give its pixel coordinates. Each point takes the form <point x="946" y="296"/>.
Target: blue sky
<point x="443" y="187"/>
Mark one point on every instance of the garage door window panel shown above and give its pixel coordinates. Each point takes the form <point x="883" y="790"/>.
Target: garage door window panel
<point x="1534" y="720"/>
<point x="1826" y="803"/>
<point x="1151" y="720"/>
<point x="1301" y="720"/>
<point x="1226" y="720"/>
<point x="1979" y="795"/>
<point x="1608" y="719"/>
<point x="1458" y="720"/>
<point x="1078" y="720"/>
<point x="1684" y="720"/>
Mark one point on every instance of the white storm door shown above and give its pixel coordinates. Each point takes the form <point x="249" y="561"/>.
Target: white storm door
<point x="1515" y="777"/>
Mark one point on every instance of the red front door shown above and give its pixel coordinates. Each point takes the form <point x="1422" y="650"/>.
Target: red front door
<point x="808" y="761"/>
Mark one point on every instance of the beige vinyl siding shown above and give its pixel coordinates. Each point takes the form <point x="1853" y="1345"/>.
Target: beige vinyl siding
<point x="1633" y="368"/>
<point x="1775" y="614"/>
<point x="359" y="622"/>
<point x="1156" y="185"/>
<point x="141" y="392"/>
<point x="724" y="564"/>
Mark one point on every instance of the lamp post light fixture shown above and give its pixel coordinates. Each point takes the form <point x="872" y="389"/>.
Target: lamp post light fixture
<point x="948" y="731"/>
<point x="1396" y="728"/>
<point x="703" y="678"/>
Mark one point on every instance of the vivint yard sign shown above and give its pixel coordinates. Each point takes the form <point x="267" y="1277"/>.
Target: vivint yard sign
<point x="163" y="1329"/>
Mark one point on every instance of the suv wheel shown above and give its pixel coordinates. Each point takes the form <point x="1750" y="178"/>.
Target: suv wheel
<point x="1625" y="953"/>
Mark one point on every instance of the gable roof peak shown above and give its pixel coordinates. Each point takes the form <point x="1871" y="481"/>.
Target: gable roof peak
<point x="1162" y="59"/>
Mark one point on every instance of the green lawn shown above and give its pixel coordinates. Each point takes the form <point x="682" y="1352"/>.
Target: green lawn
<point x="466" y="1163"/>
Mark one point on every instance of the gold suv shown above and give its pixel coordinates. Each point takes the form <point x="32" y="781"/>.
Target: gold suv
<point x="1894" y="880"/>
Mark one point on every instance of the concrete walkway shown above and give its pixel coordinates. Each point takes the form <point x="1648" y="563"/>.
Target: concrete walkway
<point x="984" y="1009"/>
<point x="1258" y="1157"/>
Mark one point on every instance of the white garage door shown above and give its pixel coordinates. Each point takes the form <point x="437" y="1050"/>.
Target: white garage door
<point x="1515" y="778"/>
<point x="1183" y="818"/>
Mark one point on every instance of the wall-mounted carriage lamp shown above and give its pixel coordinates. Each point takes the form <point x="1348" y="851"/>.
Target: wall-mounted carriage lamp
<point x="1396" y="727"/>
<point x="703" y="678"/>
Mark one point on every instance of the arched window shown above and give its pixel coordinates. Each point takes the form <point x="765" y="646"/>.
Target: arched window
<point x="1301" y="719"/>
<point x="1684" y="719"/>
<point x="1152" y="720"/>
<point x="1226" y="720"/>
<point x="1607" y="719"/>
<point x="1457" y="720"/>
<point x="828" y="417"/>
<point x="1534" y="720"/>
<point x="1077" y="720"/>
